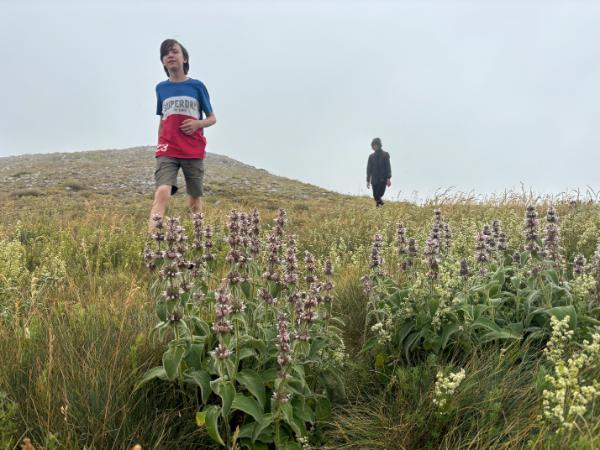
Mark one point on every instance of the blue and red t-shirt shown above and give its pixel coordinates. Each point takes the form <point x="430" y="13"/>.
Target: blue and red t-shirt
<point x="176" y="102"/>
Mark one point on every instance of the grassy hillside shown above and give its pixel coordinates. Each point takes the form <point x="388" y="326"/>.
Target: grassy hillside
<point x="78" y="306"/>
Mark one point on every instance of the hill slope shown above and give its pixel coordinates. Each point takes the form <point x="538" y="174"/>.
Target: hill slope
<point x="130" y="171"/>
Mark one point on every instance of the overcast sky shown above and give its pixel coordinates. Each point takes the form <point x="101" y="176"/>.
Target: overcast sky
<point x="477" y="95"/>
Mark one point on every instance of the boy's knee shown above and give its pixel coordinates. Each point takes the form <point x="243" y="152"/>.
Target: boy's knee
<point x="195" y="202"/>
<point x="163" y="192"/>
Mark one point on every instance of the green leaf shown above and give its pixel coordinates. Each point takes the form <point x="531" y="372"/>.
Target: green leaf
<point x="226" y="391"/>
<point x="248" y="405"/>
<point x="247" y="289"/>
<point x="195" y="356"/>
<point x="212" y="423"/>
<point x="200" y="378"/>
<point x="201" y="328"/>
<point x="323" y="409"/>
<point x="315" y="347"/>
<point x="379" y="360"/>
<point x="403" y="331"/>
<point x="247" y="352"/>
<point x="532" y="297"/>
<point x="269" y="376"/>
<point x="172" y="360"/>
<point x="288" y="417"/>
<point x="448" y="331"/>
<point x="162" y="311"/>
<point x="398" y="297"/>
<point x="552" y="276"/>
<point x="251" y="342"/>
<point x="495" y="332"/>
<point x="291" y="445"/>
<point x="500" y="276"/>
<point x="410" y="341"/>
<point x="201" y="418"/>
<point x="560" y="312"/>
<point x="259" y="427"/>
<point x="334" y="384"/>
<point x="247" y="443"/>
<point x="258" y="430"/>
<point x="155" y="372"/>
<point x="301" y="410"/>
<point x="252" y="381"/>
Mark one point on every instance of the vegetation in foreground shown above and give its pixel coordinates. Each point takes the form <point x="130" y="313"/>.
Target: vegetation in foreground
<point x="493" y="352"/>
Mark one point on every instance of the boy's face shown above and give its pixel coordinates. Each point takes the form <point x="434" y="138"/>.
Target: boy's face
<point x="174" y="59"/>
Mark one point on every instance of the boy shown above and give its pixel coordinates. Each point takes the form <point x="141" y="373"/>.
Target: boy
<point x="379" y="171"/>
<point x="181" y="103"/>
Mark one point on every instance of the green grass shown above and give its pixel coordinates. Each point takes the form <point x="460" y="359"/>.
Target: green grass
<point x="74" y="346"/>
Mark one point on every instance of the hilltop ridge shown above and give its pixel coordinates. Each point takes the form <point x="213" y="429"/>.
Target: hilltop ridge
<point x="130" y="171"/>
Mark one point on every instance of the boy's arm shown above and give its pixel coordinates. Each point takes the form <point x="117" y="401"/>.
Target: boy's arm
<point x="189" y="126"/>
<point x="389" y="171"/>
<point x="160" y="125"/>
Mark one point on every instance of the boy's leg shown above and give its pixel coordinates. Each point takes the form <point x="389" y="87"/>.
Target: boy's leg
<point x="383" y="186"/>
<point x="378" y="190"/>
<point x="161" y="200"/>
<point x="166" y="185"/>
<point x="193" y="171"/>
<point x="195" y="204"/>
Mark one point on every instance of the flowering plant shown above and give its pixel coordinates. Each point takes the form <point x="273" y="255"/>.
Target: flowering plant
<point x="255" y="336"/>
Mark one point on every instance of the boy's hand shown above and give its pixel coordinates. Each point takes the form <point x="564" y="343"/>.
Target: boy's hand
<point x="189" y="126"/>
<point x="389" y="182"/>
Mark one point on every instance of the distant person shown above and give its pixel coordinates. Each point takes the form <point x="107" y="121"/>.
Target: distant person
<point x="183" y="105"/>
<point x="379" y="171"/>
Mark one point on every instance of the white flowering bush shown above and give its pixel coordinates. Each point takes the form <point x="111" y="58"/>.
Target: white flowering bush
<point x="574" y="383"/>
<point x="445" y="387"/>
<point x="13" y="269"/>
<point x="14" y="275"/>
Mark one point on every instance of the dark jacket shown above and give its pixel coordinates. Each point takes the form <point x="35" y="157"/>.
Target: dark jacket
<point x="378" y="167"/>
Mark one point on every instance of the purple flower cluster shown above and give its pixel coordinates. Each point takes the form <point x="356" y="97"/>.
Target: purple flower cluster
<point x="551" y="248"/>
<point x="412" y="253"/>
<point x="579" y="265"/>
<point x="208" y="244"/>
<point x="328" y="285"/>
<point x="254" y="233"/>
<point x="401" y="239"/>
<point x="376" y="258"/>
<point x="464" y="269"/>
<point x="283" y="343"/>
<point x="481" y="251"/>
<point x="236" y="226"/>
<point x="531" y="231"/>
<point x="290" y="277"/>
<point x="447" y="238"/>
<point x="310" y="268"/>
<point x="274" y="247"/>
<point x="197" y="222"/>
<point x="407" y="247"/>
<point x="432" y="257"/>
<point x="222" y="325"/>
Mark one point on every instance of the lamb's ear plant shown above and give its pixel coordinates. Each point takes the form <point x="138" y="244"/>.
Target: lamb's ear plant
<point x="447" y="304"/>
<point x="256" y="338"/>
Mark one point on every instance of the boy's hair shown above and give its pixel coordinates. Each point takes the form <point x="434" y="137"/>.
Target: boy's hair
<point x="166" y="46"/>
<point x="376" y="141"/>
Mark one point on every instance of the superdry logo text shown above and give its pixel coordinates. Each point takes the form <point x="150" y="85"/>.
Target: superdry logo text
<point x="184" y="105"/>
